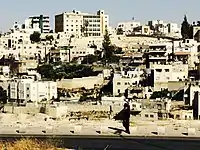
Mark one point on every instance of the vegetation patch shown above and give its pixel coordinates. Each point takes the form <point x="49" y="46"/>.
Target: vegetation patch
<point x="28" y="144"/>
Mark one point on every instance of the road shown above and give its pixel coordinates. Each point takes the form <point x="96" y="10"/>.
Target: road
<point x="116" y="143"/>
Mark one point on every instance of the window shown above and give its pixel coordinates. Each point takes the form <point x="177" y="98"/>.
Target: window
<point x="158" y="70"/>
<point x="27" y="95"/>
<point x="146" y="116"/>
<point x="151" y="116"/>
<point x="118" y="90"/>
<point x="125" y="83"/>
<point x="118" y="83"/>
<point x="166" y="70"/>
<point x="27" y="88"/>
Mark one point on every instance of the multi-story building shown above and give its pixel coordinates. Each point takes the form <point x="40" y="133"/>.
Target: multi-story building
<point x="38" y="23"/>
<point x="82" y="24"/>
<point x="176" y="73"/>
<point x="127" y="78"/>
<point x="26" y="89"/>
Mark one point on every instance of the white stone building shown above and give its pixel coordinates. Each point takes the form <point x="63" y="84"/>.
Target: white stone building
<point x="28" y="90"/>
<point x="128" y="26"/>
<point x="18" y="44"/>
<point x="72" y="23"/>
<point x="165" y="73"/>
<point x="126" y="79"/>
<point x="168" y="29"/>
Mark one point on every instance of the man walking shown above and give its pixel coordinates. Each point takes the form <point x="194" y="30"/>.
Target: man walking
<point x="126" y="117"/>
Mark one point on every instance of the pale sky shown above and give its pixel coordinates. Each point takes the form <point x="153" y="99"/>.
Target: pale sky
<point x="118" y="10"/>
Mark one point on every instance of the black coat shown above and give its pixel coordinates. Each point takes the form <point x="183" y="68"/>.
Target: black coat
<point x="123" y="115"/>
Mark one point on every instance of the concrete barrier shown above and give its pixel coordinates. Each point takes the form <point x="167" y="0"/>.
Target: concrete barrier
<point x="161" y="130"/>
<point x="21" y="129"/>
<point x="191" y="131"/>
<point x="133" y="129"/>
<point x="104" y="129"/>
<point x="49" y="129"/>
<point x="77" y="129"/>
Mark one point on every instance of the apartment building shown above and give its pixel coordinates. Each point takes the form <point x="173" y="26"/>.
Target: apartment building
<point x="38" y="23"/>
<point x="82" y="24"/>
<point x="127" y="78"/>
<point x="187" y="51"/>
<point x="176" y="72"/>
<point x="27" y="89"/>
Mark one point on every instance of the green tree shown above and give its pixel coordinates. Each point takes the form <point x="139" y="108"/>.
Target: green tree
<point x="191" y="32"/>
<point x="47" y="71"/>
<point x="66" y="71"/>
<point x="120" y="31"/>
<point x="185" y="28"/>
<point x="35" y="37"/>
<point x="49" y="38"/>
<point x="107" y="46"/>
<point x="90" y="59"/>
<point x="108" y="50"/>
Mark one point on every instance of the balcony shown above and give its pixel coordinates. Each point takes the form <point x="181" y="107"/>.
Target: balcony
<point x="138" y="61"/>
<point x="158" y="57"/>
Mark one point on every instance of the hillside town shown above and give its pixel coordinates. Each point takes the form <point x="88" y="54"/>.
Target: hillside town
<point x="84" y="69"/>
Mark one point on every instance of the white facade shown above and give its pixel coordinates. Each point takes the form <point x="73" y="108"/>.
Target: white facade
<point x="68" y="55"/>
<point x="73" y="22"/>
<point x="173" y="28"/>
<point x="128" y="26"/>
<point x="26" y="89"/>
<point x="171" y="72"/>
<point x="125" y="80"/>
<point x="188" y="47"/>
<point x="168" y="29"/>
<point x="18" y="44"/>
